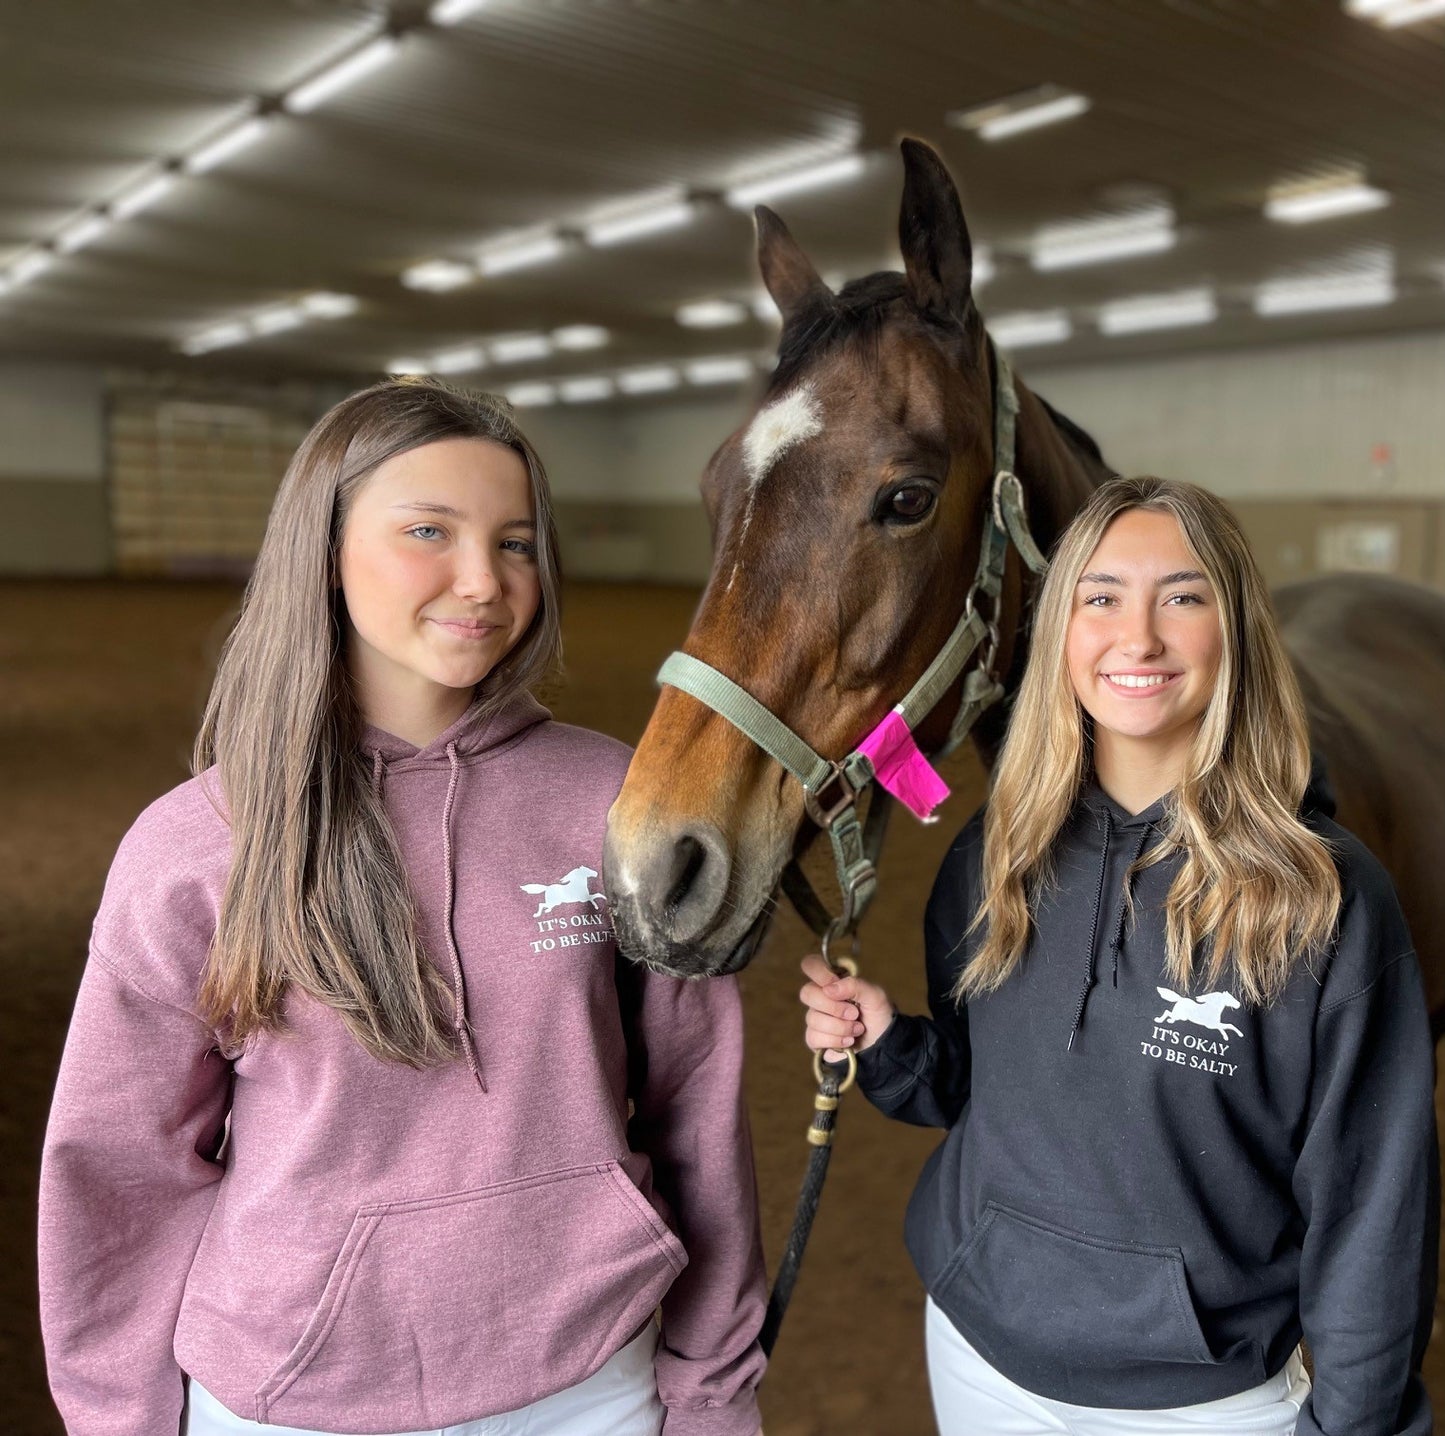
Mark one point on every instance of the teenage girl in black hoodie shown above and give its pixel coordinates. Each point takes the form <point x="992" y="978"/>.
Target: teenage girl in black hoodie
<point x="1178" y="1034"/>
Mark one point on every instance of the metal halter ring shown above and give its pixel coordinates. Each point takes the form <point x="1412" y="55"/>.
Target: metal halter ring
<point x="850" y="1058"/>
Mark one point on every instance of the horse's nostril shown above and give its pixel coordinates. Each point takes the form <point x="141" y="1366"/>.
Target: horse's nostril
<point x="688" y="859"/>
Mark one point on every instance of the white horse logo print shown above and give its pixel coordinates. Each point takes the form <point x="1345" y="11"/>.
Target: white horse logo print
<point x="571" y="889"/>
<point x="1206" y="1011"/>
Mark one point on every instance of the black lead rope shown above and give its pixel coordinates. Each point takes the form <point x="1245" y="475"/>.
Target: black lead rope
<point x="834" y="1078"/>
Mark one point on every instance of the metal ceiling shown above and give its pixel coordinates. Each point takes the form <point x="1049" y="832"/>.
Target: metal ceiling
<point x="538" y="111"/>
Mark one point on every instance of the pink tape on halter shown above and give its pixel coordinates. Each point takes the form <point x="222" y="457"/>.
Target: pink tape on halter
<point x="902" y="768"/>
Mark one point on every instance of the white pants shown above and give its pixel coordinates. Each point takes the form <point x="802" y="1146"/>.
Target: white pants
<point x="619" y="1399"/>
<point x="970" y="1398"/>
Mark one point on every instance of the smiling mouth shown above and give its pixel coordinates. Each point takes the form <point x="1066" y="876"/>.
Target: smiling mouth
<point x="463" y="629"/>
<point x="1139" y="682"/>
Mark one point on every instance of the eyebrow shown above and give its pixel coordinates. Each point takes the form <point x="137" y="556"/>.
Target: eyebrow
<point x="1184" y="575"/>
<point x="446" y="511"/>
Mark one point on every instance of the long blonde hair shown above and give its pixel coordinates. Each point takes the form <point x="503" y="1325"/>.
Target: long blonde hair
<point x="1257" y="888"/>
<point x="317" y="894"/>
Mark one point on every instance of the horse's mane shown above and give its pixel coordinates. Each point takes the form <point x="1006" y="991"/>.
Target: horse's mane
<point x="1081" y="439"/>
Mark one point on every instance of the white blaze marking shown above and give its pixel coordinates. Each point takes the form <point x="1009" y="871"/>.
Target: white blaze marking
<point x="774" y="430"/>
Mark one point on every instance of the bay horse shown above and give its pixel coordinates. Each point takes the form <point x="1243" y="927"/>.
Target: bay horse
<point x="847" y="515"/>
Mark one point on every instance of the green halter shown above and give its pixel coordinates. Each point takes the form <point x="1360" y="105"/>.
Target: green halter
<point x="831" y="790"/>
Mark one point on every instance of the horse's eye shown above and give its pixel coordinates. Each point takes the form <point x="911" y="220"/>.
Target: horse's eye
<point x="909" y="504"/>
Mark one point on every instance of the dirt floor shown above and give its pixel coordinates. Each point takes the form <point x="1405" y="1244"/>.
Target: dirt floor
<point x="100" y="688"/>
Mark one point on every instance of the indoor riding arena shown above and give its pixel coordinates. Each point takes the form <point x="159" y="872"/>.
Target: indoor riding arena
<point x="1206" y="231"/>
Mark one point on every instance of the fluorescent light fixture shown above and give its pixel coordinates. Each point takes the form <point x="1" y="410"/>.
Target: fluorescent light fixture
<point x="1390" y="14"/>
<point x="1159" y="311"/>
<point x="1047" y="105"/>
<point x="586" y="390"/>
<point x="85" y="230"/>
<point x="581" y="336"/>
<point x="519" y="348"/>
<point x="1062" y="246"/>
<point x="325" y="305"/>
<point x="453" y="12"/>
<point x="142" y="195"/>
<point x="439" y="275"/>
<point x="218" y="336"/>
<point x="1307" y="295"/>
<point x="1021" y="330"/>
<point x="529" y="396"/>
<point x="408" y="366"/>
<point x="1066" y="107"/>
<point x="795" y="181"/>
<point x="505" y="255"/>
<point x="459" y="361"/>
<point x="618" y="225"/>
<point x="984" y="268"/>
<point x="232" y="142"/>
<point x="1301" y="204"/>
<point x="28" y="266"/>
<point x="712" y="313"/>
<point x="765" y="309"/>
<point x="278" y="320"/>
<point x="346" y="71"/>
<point x="654" y="379"/>
<point x="722" y="370"/>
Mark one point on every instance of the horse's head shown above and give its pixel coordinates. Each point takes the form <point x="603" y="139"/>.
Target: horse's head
<point x="846" y="514"/>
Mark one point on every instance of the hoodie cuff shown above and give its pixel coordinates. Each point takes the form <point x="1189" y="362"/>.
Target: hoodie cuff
<point x="892" y="1066"/>
<point x="739" y="1417"/>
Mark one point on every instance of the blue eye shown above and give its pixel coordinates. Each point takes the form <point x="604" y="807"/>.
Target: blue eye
<point x="525" y="547"/>
<point x="425" y="531"/>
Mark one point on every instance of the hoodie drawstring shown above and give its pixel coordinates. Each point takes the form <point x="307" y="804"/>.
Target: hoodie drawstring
<point x="376" y="771"/>
<point x="1118" y="941"/>
<point x="459" y="990"/>
<point x="1093" y="930"/>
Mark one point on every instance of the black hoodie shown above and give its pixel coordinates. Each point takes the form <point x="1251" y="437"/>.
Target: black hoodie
<point x="1146" y="1197"/>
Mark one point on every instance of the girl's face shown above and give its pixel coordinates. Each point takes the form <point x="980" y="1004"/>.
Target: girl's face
<point x="438" y="569"/>
<point x="1144" y="639"/>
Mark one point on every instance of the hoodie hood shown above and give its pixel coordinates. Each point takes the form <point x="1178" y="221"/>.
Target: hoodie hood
<point x="1122" y="837"/>
<point x="475" y="731"/>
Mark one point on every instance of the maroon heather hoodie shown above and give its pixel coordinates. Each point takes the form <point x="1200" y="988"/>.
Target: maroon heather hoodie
<point x="380" y="1249"/>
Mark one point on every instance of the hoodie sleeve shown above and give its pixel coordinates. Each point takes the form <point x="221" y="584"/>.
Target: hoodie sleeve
<point x="1367" y="1182"/>
<point x="920" y="1070"/>
<point x="127" y="1184"/>
<point x="129" y="1171"/>
<point x="686" y="1054"/>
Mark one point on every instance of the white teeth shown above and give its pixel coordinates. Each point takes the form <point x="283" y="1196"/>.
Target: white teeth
<point x="1134" y="680"/>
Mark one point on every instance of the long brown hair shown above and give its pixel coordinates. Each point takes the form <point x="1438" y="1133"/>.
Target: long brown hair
<point x="1256" y="886"/>
<point x="317" y="894"/>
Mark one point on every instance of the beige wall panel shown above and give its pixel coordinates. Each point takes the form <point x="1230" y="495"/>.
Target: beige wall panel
<point x="1296" y="540"/>
<point x="656" y="543"/>
<point x="50" y="527"/>
<point x="1358" y="419"/>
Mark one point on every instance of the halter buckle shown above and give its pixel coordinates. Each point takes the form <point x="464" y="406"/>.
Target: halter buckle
<point x="825" y="810"/>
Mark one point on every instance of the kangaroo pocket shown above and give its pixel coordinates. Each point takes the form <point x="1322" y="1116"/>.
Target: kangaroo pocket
<point x="442" y="1309"/>
<point x="1039" y="1298"/>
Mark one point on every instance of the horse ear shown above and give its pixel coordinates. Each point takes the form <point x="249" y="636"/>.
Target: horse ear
<point x="787" y="272"/>
<point x="937" y="252"/>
